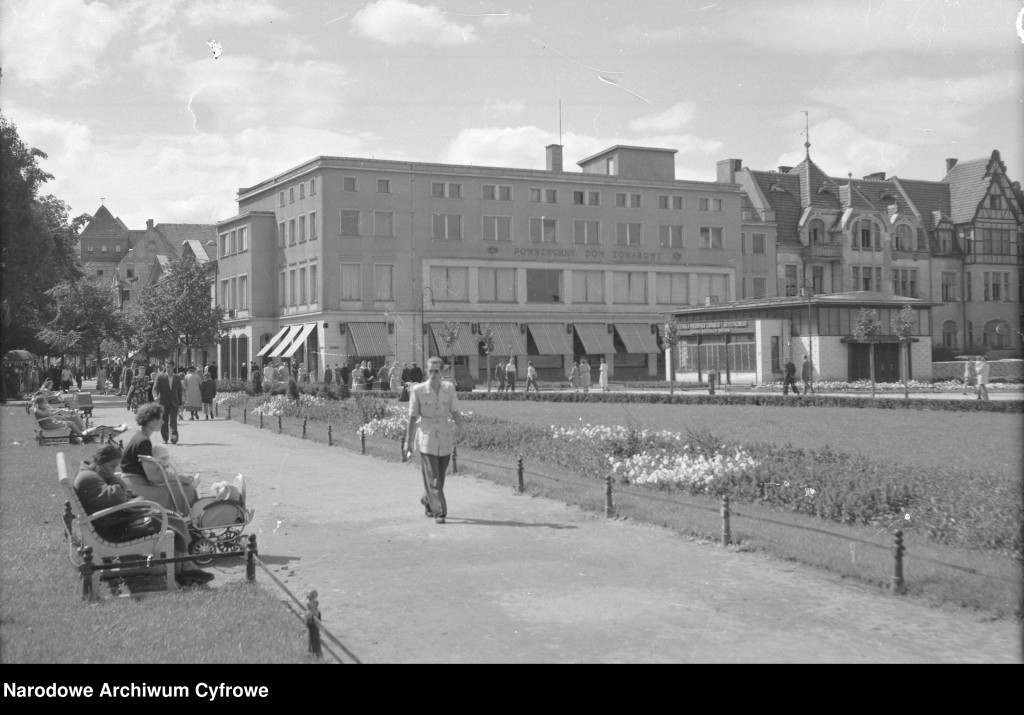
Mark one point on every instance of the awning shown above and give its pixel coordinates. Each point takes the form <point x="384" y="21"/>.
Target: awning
<point x="506" y="334"/>
<point x="299" y="340"/>
<point x="595" y="338"/>
<point x="550" y="338"/>
<point x="369" y="339"/>
<point x="876" y="339"/>
<point x="273" y="342"/>
<point x="285" y="341"/>
<point x="638" y="338"/>
<point x="465" y="344"/>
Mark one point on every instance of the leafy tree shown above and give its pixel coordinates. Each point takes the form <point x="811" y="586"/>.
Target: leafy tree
<point x="174" y="313"/>
<point x="82" y="316"/>
<point x="867" y="330"/>
<point x="669" y="341"/>
<point x="903" y="325"/>
<point x="449" y="333"/>
<point x="486" y="339"/>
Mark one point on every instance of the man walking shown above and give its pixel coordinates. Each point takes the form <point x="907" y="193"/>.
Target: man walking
<point x="790" y="379"/>
<point x="510" y="374"/>
<point x="531" y="377"/>
<point x="430" y="404"/>
<point x="499" y="373"/>
<point x="982" y="370"/>
<point x="807" y="375"/>
<point x="165" y="393"/>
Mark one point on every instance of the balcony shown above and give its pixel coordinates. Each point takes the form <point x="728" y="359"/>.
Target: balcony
<point x="1001" y="259"/>
<point x="823" y="252"/>
<point x="757" y="215"/>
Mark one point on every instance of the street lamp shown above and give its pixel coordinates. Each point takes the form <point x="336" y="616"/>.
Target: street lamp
<point x="808" y="290"/>
<point x="423" y="322"/>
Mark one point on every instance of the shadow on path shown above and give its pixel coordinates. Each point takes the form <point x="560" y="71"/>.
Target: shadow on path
<point x="488" y="522"/>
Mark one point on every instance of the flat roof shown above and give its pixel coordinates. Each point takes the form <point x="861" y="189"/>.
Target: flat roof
<point x="617" y="147"/>
<point x="859" y="298"/>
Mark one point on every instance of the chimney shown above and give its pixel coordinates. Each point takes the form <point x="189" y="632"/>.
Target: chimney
<point x="877" y="176"/>
<point x="554" y="152"/>
<point x="950" y="163"/>
<point x="149" y="223"/>
<point x="727" y="169"/>
<point x="785" y="169"/>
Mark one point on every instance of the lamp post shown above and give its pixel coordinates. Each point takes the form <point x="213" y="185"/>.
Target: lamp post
<point x="809" y="293"/>
<point x="423" y="322"/>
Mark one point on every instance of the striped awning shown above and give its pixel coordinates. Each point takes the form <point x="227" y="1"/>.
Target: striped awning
<point x="285" y="341"/>
<point x="876" y="339"/>
<point x="299" y="340"/>
<point x="273" y="342"/>
<point x="465" y="344"/>
<point x="638" y="338"/>
<point x="369" y="339"/>
<point x="506" y="334"/>
<point x="595" y="338"/>
<point x="550" y="338"/>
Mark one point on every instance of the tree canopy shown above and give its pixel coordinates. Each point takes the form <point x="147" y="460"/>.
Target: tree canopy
<point x="83" y="316"/>
<point x="175" y="312"/>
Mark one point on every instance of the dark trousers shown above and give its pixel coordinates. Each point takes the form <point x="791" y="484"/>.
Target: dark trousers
<point x="169" y="425"/>
<point x="434" y="468"/>
<point x="788" y="382"/>
<point x="511" y="379"/>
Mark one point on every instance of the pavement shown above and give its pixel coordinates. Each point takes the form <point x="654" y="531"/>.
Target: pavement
<point x="519" y="579"/>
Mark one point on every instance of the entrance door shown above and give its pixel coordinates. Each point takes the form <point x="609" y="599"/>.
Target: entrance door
<point x="887" y="362"/>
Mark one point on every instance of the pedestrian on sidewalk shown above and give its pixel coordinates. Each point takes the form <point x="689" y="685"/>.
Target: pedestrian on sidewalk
<point x="510" y="374"/>
<point x="807" y="375"/>
<point x="603" y="376"/>
<point x="208" y="390"/>
<point x="430" y="405"/>
<point x="982" y="369"/>
<point x="531" y="377"/>
<point x="499" y="373"/>
<point x="790" y="379"/>
<point x="970" y="374"/>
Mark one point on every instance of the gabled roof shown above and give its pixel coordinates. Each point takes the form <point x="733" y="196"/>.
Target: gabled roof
<point x="201" y="252"/>
<point x="930" y="198"/>
<point x="785" y="203"/>
<point x="969" y="182"/>
<point x="812" y="179"/>
<point x="177" y="233"/>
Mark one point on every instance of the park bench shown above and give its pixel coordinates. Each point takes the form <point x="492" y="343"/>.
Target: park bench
<point x="83" y="403"/>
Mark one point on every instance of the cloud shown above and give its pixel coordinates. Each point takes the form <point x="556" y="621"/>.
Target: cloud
<point x="675" y="117"/>
<point x="50" y="41"/>
<point x="236" y="12"/>
<point x="503" y="107"/>
<point x="397" y="22"/>
<point x="839" y="147"/>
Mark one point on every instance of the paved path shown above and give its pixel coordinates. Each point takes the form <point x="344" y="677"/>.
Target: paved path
<point x="519" y="579"/>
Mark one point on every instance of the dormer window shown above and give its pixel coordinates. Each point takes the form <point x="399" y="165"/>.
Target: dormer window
<point x="825" y="189"/>
<point x="816" y="231"/>
<point x="777" y="188"/>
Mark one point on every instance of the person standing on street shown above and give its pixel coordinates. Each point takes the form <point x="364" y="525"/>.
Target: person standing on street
<point x="789" y="380"/>
<point x="208" y="390"/>
<point x="510" y="374"/>
<point x="168" y="398"/>
<point x="807" y="375"/>
<point x="970" y="374"/>
<point x="602" y="378"/>
<point x="574" y="377"/>
<point x="499" y="373"/>
<point x="101" y="380"/>
<point x="531" y="377"/>
<point x="415" y="373"/>
<point x="431" y="403"/>
<point x="193" y="393"/>
<point x="982" y="370"/>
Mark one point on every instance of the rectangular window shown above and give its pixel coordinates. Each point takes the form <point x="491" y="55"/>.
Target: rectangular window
<point x="671" y="288"/>
<point x="449" y="283"/>
<point x="586" y="198"/>
<point x="233" y="293"/>
<point x="383" y="282"/>
<point x="709" y="204"/>
<point x="291" y="194"/>
<point x="383" y="186"/>
<point x="349" y="286"/>
<point x="904" y="282"/>
<point x="314" y="296"/>
<point x="349" y="222"/>
<point x="303" y="298"/>
<point x="995" y="201"/>
<point x="280" y="199"/>
<point x="302" y="228"/>
<point x="544" y="196"/>
<point x="497" y="192"/>
<point x="629" y="287"/>
<point x="224" y="244"/>
<point x="117" y="248"/>
<point x="496" y="285"/>
<point x="497" y="228"/>
<point x="225" y="286"/>
<point x="627" y="234"/>
<point x="243" y="292"/>
<point x="586" y="232"/>
<point x="291" y="287"/>
<point x="997" y="286"/>
<point x="233" y="242"/>
<point x="663" y="201"/>
<point x="543" y="286"/>
<point x="302" y="190"/>
<point x="313" y="233"/>
<point x="587" y="286"/>
<point x="384" y="223"/>
<point x="90" y="248"/>
<point x="711" y="285"/>
<point x="291" y="232"/>
<point x="312" y="187"/>
<point x="757" y="243"/>
<point x="790" y="271"/>
<point x="759" y="288"/>
<point x="281" y="288"/>
<point x="628" y="201"/>
<point x="671" y="236"/>
<point x="445" y="190"/>
<point x="243" y="238"/>
<point x="711" y="237"/>
<point x="677" y="203"/>
<point x="280" y="235"/>
<point x="103" y="248"/>
<point x="348" y="183"/>
<point x="948" y="287"/>
<point x="543" y="230"/>
<point x="448" y="227"/>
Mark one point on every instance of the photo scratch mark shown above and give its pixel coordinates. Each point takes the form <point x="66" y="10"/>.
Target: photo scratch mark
<point x="546" y="46"/>
<point x="335" y="19"/>
<point x="215" y="48"/>
<point x="189" y="106"/>
<point x="612" y="82"/>
<point x="1020" y="24"/>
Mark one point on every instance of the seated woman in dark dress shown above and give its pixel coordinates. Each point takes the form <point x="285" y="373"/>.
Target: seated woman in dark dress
<point x="145" y="479"/>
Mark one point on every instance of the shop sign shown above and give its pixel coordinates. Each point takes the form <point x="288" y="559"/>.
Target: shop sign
<point x="713" y="326"/>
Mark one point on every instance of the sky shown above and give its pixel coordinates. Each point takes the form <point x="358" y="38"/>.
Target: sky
<point x="162" y="109"/>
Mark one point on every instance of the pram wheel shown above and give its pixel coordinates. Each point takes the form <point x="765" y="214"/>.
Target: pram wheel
<point x="202" y="550"/>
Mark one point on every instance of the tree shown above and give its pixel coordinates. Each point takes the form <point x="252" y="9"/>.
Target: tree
<point x="867" y="330"/>
<point x="81" y="317"/>
<point x="669" y="340"/>
<point x="175" y="312"/>
<point x="486" y="339"/>
<point x="903" y="325"/>
<point x="449" y="333"/>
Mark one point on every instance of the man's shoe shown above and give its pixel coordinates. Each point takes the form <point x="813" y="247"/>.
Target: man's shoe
<point x="439" y="519"/>
<point x="426" y="507"/>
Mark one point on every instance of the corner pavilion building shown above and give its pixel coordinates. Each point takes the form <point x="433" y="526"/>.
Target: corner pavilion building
<point x="340" y="260"/>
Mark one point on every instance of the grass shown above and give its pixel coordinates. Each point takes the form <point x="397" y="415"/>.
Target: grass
<point x="44" y="619"/>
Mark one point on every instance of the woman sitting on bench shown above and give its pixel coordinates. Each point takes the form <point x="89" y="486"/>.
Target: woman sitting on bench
<point x="145" y="479"/>
<point x="57" y="419"/>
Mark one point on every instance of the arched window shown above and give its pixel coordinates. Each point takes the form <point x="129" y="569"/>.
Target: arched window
<point x="816" y="231"/>
<point x="865" y="235"/>
<point x="996" y="334"/>
<point x="949" y="334"/>
<point x="904" y="238"/>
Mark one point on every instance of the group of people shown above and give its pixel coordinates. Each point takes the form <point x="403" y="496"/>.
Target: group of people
<point x="177" y="391"/>
<point x="806" y="375"/>
<point x="505" y="374"/>
<point x="976" y="376"/>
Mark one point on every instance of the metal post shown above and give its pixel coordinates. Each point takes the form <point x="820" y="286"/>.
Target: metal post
<point x="261" y="420"/>
<point x="609" y="509"/>
<point x="250" y="559"/>
<point x="330" y="437"/>
<point x="897" y="574"/>
<point x="304" y="420"/>
<point x="362" y="441"/>
<point x="229" y="412"/>
<point x="312" y="618"/>
<point x="519" y="488"/>
<point x="86" y="569"/>
<point x="279" y="424"/>
<point x="245" y="415"/>
<point x="455" y="459"/>
<point x="726" y="533"/>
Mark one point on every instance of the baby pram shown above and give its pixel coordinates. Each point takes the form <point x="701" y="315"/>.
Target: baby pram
<point x="215" y="523"/>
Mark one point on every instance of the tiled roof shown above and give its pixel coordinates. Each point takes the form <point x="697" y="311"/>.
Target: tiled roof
<point x="176" y="233"/>
<point x="104" y="227"/>
<point x="969" y="182"/>
<point x="928" y="198"/>
<point x="812" y="178"/>
<point x="786" y="204"/>
<point x="202" y="252"/>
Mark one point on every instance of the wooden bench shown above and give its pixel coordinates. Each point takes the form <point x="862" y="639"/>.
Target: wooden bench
<point x="83" y="403"/>
<point x="100" y="559"/>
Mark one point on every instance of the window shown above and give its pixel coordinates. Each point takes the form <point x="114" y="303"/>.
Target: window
<point x="130" y="272"/>
<point x="968" y="282"/>
<point x="224" y="244"/>
<point x="757" y="243"/>
<point x="671" y="236"/>
<point x="677" y="203"/>
<point x="449" y="283"/>
<point x="280" y="199"/>
<point x="302" y="190"/>
<point x="302" y="229"/>
<point x="994" y="241"/>
<point x="348" y="183"/>
<point x="627" y="234"/>
<point x="543" y="230"/>
<point x="904" y="282"/>
<point x="711" y="237"/>
<point x="291" y="232"/>
<point x="497" y="228"/>
<point x="312" y="187"/>
<point x="281" y="288"/>
<point x="349" y="222"/>
<point x="544" y="196"/>
<point x="314" y="296"/>
<point x="588" y="286"/>
<point x="789" y="272"/>
<point x="497" y="192"/>
<point x="291" y="194"/>
<point x="949" y="332"/>
<point x="629" y="287"/>
<point x="709" y="204"/>
<point x="243" y="238"/>
<point x="99" y="272"/>
<point x="225" y="285"/>
<point x="945" y="239"/>
<point x="865" y="236"/>
<point x="995" y="201"/>
<point x="90" y="248"/>
<point x="904" y="238"/>
<point x="866" y="279"/>
<point x="673" y="202"/>
<point x="759" y="288"/>
<point x="291" y="287"/>
<point x="610" y="165"/>
<point x="816" y="231"/>
<point x="586" y="198"/>
<point x="711" y="285"/>
<point x="627" y="200"/>
<point x="817" y="279"/>
<point x="496" y="285"/>
<point x="997" y="286"/>
<point x="313" y="233"/>
<point x="948" y="286"/>
<point x="243" y="292"/>
<point x="996" y="334"/>
<point x="543" y="286"/>
<point x="663" y="202"/>
<point x="350" y="288"/>
<point x="303" y="299"/>
<point x="383" y="282"/>
<point x="586" y="232"/>
<point x="117" y="248"/>
<point x="671" y="288"/>
<point x="103" y="248"/>
<point x="384" y="223"/>
<point x="448" y="226"/>
<point x="445" y="190"/>
<point x="280" y="235"/>
<point x="383" y="186"/>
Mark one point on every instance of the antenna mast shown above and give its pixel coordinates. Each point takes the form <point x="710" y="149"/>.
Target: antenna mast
<point x="559" y="122"/>
<point x="807" y="132"/>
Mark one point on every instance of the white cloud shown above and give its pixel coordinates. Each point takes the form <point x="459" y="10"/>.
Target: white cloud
<point x="675" y="117"/>
<point x="236" y="12"/>
<point x="839" y="147"/>
<point x="49" y="41"/>
<point x="397" y="22"/>
<point x="503" y="107"/>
